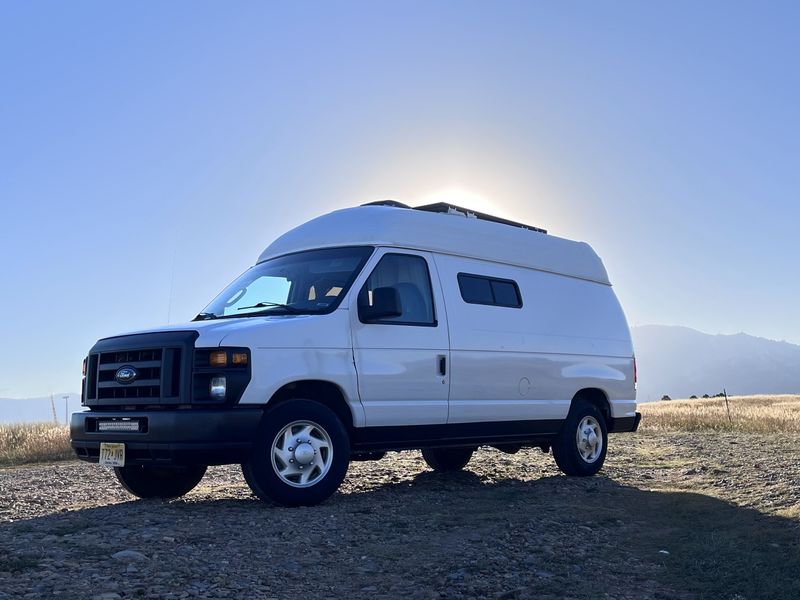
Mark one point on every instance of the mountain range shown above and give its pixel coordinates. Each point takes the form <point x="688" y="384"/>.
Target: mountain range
<point x="681" y="362"/>
<point x="30" y="410"/>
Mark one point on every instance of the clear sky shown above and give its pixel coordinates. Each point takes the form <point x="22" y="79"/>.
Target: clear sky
<point x="150" y="151"/>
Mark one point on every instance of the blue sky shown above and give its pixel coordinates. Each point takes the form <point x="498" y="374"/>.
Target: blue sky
<point x="150" y="151"/>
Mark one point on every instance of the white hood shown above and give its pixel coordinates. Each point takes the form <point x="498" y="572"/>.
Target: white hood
<point x="283" y="330"/>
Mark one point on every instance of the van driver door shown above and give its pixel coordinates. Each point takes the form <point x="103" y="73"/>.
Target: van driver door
<point x="400" y="340"/>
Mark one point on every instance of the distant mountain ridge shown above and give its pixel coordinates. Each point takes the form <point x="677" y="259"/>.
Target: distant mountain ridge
<point x="680" y="362"/>
<point x="33" y="410"/>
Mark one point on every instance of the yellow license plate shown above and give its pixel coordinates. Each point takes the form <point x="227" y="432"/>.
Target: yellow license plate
<point x="112" y="455"/>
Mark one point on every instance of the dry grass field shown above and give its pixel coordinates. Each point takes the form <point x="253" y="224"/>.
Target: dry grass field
<point x="692" y="507"/>
<point x="33" y="443"/>
<point x="45" y="442"/>
<point x="752" y="414"/>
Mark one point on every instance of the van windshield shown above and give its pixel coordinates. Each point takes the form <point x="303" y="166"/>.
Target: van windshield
<point x="308" y="282"/>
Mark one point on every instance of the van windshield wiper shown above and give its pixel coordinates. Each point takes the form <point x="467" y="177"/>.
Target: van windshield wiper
<point x="291" y="309"/>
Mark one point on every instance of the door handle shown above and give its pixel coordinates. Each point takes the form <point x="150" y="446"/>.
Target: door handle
<point x="442" y="360"/>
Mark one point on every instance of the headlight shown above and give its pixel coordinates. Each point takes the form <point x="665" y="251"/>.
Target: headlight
<point x="219" y="374"/>
<point x="218" y="387"/>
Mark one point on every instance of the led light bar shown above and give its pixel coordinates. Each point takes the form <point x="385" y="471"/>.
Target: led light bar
<point x="111" y="426"/>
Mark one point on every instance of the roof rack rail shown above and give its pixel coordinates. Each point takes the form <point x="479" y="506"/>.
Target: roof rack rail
<point x="452" y="209"/>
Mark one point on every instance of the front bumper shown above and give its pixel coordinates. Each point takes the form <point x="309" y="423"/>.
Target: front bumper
<point x="179" y="437"/>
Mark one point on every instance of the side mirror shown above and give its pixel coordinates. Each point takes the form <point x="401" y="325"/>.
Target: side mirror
<point x="385" y="304"/>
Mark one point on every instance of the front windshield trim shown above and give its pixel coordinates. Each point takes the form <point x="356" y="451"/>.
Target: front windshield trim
<point x="206" y="314"/>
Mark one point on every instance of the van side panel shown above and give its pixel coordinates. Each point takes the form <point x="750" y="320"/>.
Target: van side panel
<point x="528" y="363"/>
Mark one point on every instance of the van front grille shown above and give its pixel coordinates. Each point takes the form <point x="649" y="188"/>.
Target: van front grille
<point x="128" y="370"/>
<point x="147" y="364"/>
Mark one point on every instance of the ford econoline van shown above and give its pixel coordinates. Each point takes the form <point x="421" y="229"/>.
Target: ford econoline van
<point x="370" y="329"/>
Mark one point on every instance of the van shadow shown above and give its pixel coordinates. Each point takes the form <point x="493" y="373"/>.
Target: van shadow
<point x="434" y="535"/>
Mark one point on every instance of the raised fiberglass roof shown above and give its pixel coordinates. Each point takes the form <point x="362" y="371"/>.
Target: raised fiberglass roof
<point x="450" y="232"/>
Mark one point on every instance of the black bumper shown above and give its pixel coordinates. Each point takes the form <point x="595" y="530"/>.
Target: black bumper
<point x="625" y="424"/>
<point x="179" y="437"/>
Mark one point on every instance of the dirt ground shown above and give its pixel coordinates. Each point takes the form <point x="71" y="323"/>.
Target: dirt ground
<point x="672" y="515"/>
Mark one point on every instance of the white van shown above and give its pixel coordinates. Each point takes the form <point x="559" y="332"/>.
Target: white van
<point x="375" y="328"/>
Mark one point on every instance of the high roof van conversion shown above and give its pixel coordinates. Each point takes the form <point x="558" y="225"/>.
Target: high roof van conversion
<point x="367" y="330"/>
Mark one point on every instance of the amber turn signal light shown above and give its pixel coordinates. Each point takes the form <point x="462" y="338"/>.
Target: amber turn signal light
<point x="239" y="358"/>
<point x="218" y="358"/>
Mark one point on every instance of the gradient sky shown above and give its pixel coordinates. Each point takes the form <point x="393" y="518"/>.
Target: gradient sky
<point x="150" y="151"/>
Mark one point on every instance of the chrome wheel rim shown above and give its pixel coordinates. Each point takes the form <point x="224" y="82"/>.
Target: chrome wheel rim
<point x="589" y="438"/>
<point x="302" y="454"/>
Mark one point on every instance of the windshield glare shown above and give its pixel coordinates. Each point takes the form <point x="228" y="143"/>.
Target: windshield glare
<point x="308" y="282"/>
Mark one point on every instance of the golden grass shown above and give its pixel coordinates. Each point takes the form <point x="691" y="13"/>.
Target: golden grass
<point x="34" y="442"/>
<point x="753" y="414"/>
<point x="44" y="442"/>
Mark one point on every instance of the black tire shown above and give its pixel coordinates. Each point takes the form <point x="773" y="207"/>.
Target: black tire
<point x="447" y="459"/>
<point x="159" y="482"/>
<point x="263" y="472"/>
<point x="568" y="455"/>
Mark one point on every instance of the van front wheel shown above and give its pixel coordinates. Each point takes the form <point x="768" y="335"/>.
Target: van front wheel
<point x="580" y="448"/>
<point x="300" y="456"/>
<point x="447" y="459"/>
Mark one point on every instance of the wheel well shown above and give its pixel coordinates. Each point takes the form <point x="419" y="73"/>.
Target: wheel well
<point x="598" y="398"/>
<point x="324" y="392"/>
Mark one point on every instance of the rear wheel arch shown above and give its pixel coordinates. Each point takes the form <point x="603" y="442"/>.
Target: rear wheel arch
<point x="596" y="397"/>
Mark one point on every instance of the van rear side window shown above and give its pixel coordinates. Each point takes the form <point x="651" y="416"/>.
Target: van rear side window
<point x="477" y="289"/>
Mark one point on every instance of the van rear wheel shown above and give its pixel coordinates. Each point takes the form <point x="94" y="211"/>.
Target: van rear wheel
<point x="147" y="481"/>
<point x="300" y="456"/>
<point x="580" y="448"/>
<point x="447" y="459"/>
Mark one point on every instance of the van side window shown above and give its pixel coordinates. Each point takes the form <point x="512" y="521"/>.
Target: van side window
<point x="477" y="289"/>
<point x="402" y="281"/>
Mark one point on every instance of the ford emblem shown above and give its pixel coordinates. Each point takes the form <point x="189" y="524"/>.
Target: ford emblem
<point x="126" y="375"/>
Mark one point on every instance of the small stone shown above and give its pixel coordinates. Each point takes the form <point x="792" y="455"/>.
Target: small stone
<point x="129" y="556"/>
<point x="457" y="575"/>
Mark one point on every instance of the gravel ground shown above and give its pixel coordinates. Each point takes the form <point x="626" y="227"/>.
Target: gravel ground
<point x="672" y="515"/>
